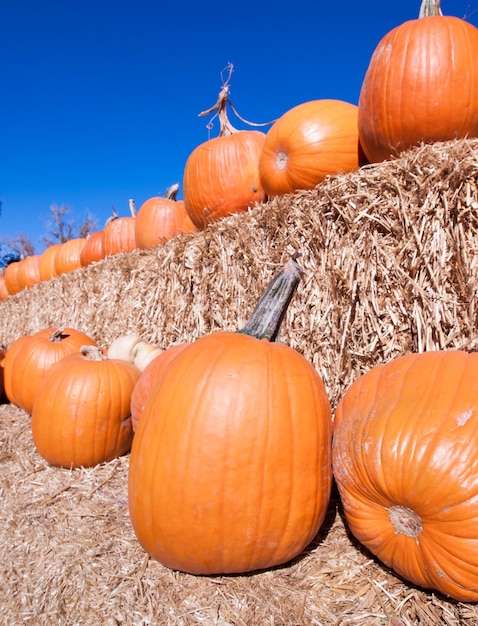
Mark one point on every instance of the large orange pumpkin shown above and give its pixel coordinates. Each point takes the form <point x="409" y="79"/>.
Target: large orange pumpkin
<point x="230" y="464"/>
<point x="421" y="85"/>
<point x="309" y="142"/>
<point x="221" y="175"/>
<point x="405" y="459"/>
<point x="162" y="218"/>
<point x="29" y="357"/>
<point x="81" y="413"/>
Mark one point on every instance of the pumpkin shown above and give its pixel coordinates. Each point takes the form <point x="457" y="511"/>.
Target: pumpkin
<point x="221" y="175"/>
<point x="149" y="375"/>
<point x="11" y="278"/>
<point x="2" y="375"/>
<point x="67" y="258"/>
<point x="94" y="249"/>
<point x="230" y="464"/>
<point x="81" y="413"/>
<point x="124" y="347"/>
<point x="47" y="262"/>
<point x="3" y="289"/>
<point x="309" y="142"/>
<point x="134" y="349"/>
<point x="405" y="458"/>
<point x="29" y="271"/>
<point x="162" y="218"/>
<point x="120" y="233"/>
<point x="29" y="357"/>
<point x="421" y="85"/>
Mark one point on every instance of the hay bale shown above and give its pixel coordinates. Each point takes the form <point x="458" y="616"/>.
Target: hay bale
<point x="389" y="255"/>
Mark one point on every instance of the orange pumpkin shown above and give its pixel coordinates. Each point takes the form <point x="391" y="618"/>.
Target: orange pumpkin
<point x="230" y="464"/>
<point x="29" y="357"/>
<point x="147" y="380"/>
<point x="3" y="289"/>
<point x="162" y="218"/>
<point x="94" y="249"/>
<point x="29" y="271"/>
<point x="47" y="262"/>
<point x="221" y="175"/>
<point x="120" y="234"/>
<point x="67" y="257"/>
<point x="421" y="85"/>
<point x="2" y="375"/>
<point x="11" y="278"/>
<point x="309" y="142"/>
<point x="405" y="462"/>
<point x="81" y="413"/>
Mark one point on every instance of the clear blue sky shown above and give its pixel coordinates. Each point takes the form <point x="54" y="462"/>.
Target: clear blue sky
<point x="100" y="99"/>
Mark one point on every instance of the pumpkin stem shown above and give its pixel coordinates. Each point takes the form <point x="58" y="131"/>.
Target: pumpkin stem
<point x="266" y="319"/>
<point x="405" y="521"/>
<point x="58" y="335"/>
<point x="430" y="7"/>
<point x="172" y="192"/>
<point x="132" y="207"/>
<point x="225" y="126"/>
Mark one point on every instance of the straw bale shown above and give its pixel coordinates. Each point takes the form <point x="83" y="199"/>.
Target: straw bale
<point x="389" y="255"/>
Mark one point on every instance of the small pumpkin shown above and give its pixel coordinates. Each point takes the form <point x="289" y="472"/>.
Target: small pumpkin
<point x="67" y="257"/>
<point x="124" y="347"/>
<point x="221" y="175"/>
<point x="81" y="413"/>
<point x="133" y="348"/>
<point x="405" y="457"/>
<point x="309" y="142"/>
<point x="11" y="278"/>
<point x="3" y="289"/>
<point x="162" y="218"/>
<point x="94" y="249"/>
<point x="230" y="465"/>
<point x="2" y="375"/>
<point x="29" y="271"/>
<point x="421" y="85"/>
<point x="47" y="262"/>
<point x="119" y="233"/>
<point x="30" y="356"/>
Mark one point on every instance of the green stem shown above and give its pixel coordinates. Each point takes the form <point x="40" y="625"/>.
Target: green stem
<point x="430" y="7"/>
<point x="266" y="319"/>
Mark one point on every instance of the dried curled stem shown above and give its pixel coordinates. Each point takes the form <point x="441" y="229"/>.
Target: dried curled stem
<point x="220" y="109"/>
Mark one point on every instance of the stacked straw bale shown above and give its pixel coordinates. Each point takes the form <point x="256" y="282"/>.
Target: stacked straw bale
<point x="389" y="254"/>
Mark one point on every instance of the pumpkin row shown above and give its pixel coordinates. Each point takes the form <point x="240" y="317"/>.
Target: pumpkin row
<point x="431" y="59"/>
<point x="234" y="449"/>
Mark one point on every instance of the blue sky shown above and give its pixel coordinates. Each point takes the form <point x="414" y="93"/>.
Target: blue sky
<point x="100" y="99"/>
